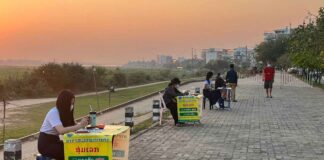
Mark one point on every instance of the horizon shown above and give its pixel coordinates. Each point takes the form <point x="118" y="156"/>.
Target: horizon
<point x="115" y="32"/>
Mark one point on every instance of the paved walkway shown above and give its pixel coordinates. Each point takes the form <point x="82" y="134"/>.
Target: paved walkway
<point x="288" y="126"/>
<point x="28" y="102"/>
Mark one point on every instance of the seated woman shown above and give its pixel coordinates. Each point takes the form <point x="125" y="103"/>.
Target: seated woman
<point x="219" y="82"/>
<point x="169" y="97"/>
<point x="58" y="121"/>
<point x="208" y="92"/>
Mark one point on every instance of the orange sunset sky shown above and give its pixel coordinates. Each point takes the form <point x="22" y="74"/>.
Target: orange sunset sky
<point x="116" y="31"/>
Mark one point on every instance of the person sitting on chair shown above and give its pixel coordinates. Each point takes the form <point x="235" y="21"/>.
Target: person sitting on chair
<point x="58" y="121"/>
<point x="169" y="97"/>
<point x="220" y="83"/>
<point x="208" y="92"/>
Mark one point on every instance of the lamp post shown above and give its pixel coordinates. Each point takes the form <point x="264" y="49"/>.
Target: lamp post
<point x="95" y="86"/>
<point x="4" y="120"/>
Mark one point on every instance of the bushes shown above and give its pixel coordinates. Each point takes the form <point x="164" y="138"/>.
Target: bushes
<point x="118" y="79"/>
<point x="26" y="87"/>
<point x="47" y="80"/>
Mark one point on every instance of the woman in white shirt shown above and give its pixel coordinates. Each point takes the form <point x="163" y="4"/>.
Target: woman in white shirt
<point x="58" y="121"/>
<point x="208" y="92"/>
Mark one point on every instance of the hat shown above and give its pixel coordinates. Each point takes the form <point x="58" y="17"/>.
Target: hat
<point x="175" y="81"/>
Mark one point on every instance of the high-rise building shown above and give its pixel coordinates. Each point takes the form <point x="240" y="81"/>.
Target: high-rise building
<point x="240" y="54"/>
<point x="212" y="54"/>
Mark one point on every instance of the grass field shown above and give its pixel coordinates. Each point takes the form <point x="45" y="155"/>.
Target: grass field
<point x="28" y="119"/>
<point x="9" y="71"/>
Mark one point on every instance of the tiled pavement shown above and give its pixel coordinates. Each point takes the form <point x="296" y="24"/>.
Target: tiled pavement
<point x="288" y="126"/>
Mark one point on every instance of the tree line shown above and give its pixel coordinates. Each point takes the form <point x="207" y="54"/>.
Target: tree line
<point x="47" y="80"/>
<point x="303" y="48"/>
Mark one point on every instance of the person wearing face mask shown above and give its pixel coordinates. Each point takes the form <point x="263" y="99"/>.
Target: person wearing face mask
<point x="58" y="121"/>
<point x="169" y="97"/>
<point x="219" y="82"/>
<point x="268" y="78"/>
<point x="208" y="92"/>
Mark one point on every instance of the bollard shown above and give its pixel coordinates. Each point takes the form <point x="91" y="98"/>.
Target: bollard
<point x="12" y="149"/>
<point x="156" y="110"/>
<point x="129" y="114"/>
<point x="197" y="90"/>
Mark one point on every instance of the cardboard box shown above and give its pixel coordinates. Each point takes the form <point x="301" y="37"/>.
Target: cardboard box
<point x="111" y="143"/>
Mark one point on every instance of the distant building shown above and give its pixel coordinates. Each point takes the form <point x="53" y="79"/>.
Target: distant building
<point x="240" y="54"/>
<point x="162" y="59"/>
<point x="243" y="56"/>
<point x="227" y="55"/>
<point x="212" y="54"/>
<point x="252" y="58"/>
<point x="268" y="36"/>
<point x="181" y="59"/>
<point x="203" y="55"/>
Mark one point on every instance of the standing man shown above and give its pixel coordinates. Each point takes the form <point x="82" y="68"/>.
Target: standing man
<point x="231" y="79"/>
<point x="268" y="78"/>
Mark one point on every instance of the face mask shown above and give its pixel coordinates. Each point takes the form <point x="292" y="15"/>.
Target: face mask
<point x="269" y="65"/>
<point x="72" y="106"/>
<point x="177" y="86"/>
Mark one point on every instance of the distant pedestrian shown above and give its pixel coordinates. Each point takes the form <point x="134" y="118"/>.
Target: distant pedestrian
<point x="231" y="79"/>
<point x="169" y="97"/>
<point x="268" y="78"/>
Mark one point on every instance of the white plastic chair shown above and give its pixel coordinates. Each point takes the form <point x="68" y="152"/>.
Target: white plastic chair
<point x="162" y="106"/>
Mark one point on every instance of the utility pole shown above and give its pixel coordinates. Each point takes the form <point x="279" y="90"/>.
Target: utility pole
<point x="246" y="52"/>
<point x="192" y="56"/>
<point x="4" y="122"/>
<point x="95" y="86"/>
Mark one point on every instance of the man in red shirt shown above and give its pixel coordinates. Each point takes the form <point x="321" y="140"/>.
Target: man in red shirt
<point x="268" y="78"/>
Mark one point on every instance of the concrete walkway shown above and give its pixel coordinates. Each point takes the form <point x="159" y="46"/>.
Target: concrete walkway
<point x="288" y="126"/>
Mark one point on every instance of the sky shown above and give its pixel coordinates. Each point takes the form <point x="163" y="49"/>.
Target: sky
<point x="112" y="32"/>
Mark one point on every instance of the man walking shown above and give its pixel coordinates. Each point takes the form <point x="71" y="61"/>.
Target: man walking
<point x="268" y="78"/>
<point x="231" y="79"/>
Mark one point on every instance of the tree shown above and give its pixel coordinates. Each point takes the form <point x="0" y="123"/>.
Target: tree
<point x="118" y="78"/>
<point x="284" y="61"/>
<point x="53" y="74"/>
<point x="271" y="50"/>
<point x="306" y="45"/>
<point x="74" y="76"/>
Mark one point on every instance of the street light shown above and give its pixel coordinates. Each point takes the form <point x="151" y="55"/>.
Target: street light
<point x="95" y="86"/>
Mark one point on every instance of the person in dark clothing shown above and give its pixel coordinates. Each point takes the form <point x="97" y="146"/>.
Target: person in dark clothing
<point x="169" y="97"/>
<point x="219" y="82"/>
<point x="231" y="79"/>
